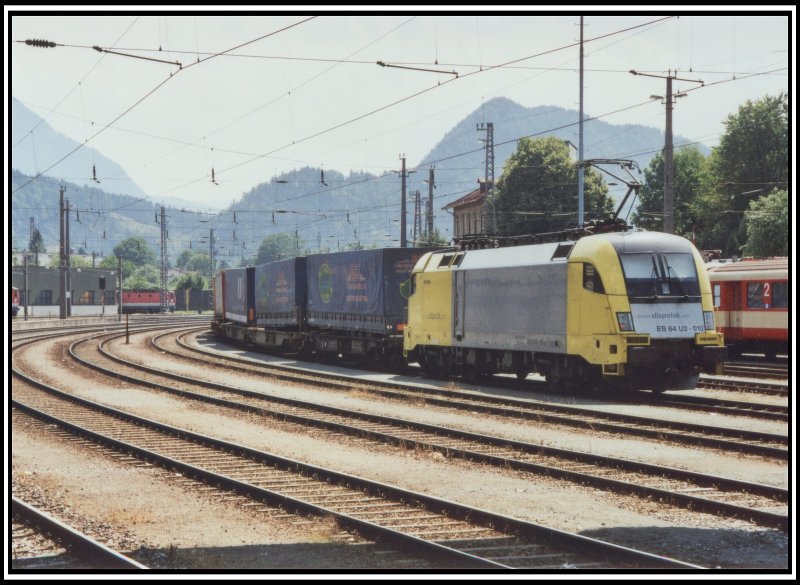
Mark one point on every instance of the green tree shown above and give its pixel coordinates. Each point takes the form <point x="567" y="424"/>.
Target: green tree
<point x="135" y="250"/>
<point x="146" y="277"/>
<point x="74" y="261"/>
<point x="752" y="159"/>
<point x="767" y="225"/>
<point x="112" y="263"/>
<point x="199" y="263"/>
<point x="36" y="245"/>
<point x="190" y="281"/>
<point x="433" y="240"/>
<point x="192" y="261"/>
<point x="184" y="257"/>
<point x="538" y="190"/>
<point x="278" y="247"/>
<point x="689" y="181"/>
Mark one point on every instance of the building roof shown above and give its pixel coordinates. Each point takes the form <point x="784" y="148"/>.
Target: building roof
<point x="476" y="196"/>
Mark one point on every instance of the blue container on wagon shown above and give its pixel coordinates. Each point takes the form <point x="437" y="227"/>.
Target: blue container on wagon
<point x="239" y="295"/>
<point x="360" y="290"/>
<point x="280" y="293"/>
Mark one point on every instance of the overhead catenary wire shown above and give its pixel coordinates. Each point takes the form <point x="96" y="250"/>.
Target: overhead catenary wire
<point x="407" y="98"/>
<point x="509" y="141"/>
<point x="156" y="88"/>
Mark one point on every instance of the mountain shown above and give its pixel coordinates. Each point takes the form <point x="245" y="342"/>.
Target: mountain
<point x="99" y="220"/>
<point x="511" y="121"/>
<point x="365" y="208"/>
<point x="31" y="154"/>
<point x="327" y="211"/>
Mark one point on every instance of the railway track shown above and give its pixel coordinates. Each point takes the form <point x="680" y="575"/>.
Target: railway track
<point x="729" y="439"/>
<point x="469" y="537"/>
<point x="748" y="409"/>
<point x="777" y="412"/>
<point x="680" y="400"/>
<point x="754" y="369"/>
<point x="717" y="383"/>
<point x="761" y="504"/>
<point x="572" y="466"/>
<point x="41" y="542"/>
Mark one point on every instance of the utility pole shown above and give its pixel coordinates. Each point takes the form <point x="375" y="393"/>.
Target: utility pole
<point x="580" y="139"/>
<point x="489" y="176"/>
<point x="403" y="203"/>
<point x="62" y="259"/>
<point x="429" y="214"/>
<point x="25" y="289"/>
<point x="163" y="291"/>
<point x="69" y="261"/>
<point x="211" y="251"/>
<point x="417" y="229"/>
<point x="119" y="286"/>
<point x="669" y="169"/>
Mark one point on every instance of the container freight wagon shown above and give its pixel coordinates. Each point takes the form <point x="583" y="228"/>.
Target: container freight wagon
<point x="280" y="304"/>
<point x="219" y="296"/>
<point x="357" y="302"/>
<point x="237" y="306"/>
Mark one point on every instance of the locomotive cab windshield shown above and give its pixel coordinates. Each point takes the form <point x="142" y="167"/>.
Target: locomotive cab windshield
<point x="660" y="277"/>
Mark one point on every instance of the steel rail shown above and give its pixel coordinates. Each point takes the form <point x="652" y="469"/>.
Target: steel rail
<point x="76" y="542"/>
<point x="532" y="533"/>
<point x="481" y="450"/>
<point x="731" y="439"/>
<point x="744" y="385"/>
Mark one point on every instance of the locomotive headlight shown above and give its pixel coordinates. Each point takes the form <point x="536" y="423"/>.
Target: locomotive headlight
<point x="708" y="317"/>
<point x="625" y="321"/>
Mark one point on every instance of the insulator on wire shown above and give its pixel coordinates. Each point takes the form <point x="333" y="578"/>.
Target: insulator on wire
<point x="40" y="43"/>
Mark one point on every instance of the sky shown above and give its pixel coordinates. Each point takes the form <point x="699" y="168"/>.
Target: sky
<point x="260" y="94"/>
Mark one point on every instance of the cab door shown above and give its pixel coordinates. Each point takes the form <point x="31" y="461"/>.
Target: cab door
<point x="736" y="308"/>
<point x="459" y="304"/>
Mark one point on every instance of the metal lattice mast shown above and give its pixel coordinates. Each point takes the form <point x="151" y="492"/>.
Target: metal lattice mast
<point x="429" y="214"/>
<point x="489" y="174"/>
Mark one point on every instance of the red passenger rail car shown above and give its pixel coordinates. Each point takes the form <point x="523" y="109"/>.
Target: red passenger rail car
<point x="144" y="301"/>
<point x="14" y="301"/>
<point x="752" y="300"/>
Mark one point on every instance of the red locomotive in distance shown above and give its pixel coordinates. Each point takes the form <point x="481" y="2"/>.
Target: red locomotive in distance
<point x="752" y="300"/>
<point x="142" y="301"/>
<point x="14" y="301"/>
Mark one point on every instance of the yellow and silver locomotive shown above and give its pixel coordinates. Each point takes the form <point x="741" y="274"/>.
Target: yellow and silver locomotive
<point x="629" y="309"/>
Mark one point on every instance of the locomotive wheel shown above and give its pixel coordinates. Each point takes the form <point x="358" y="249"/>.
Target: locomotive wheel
<point x="393" y="361"/>
<point x="522" y="372"/>
<point x="428" y="365"/>
<point x="553" y="377"/>
<point x="470" y="374"/>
